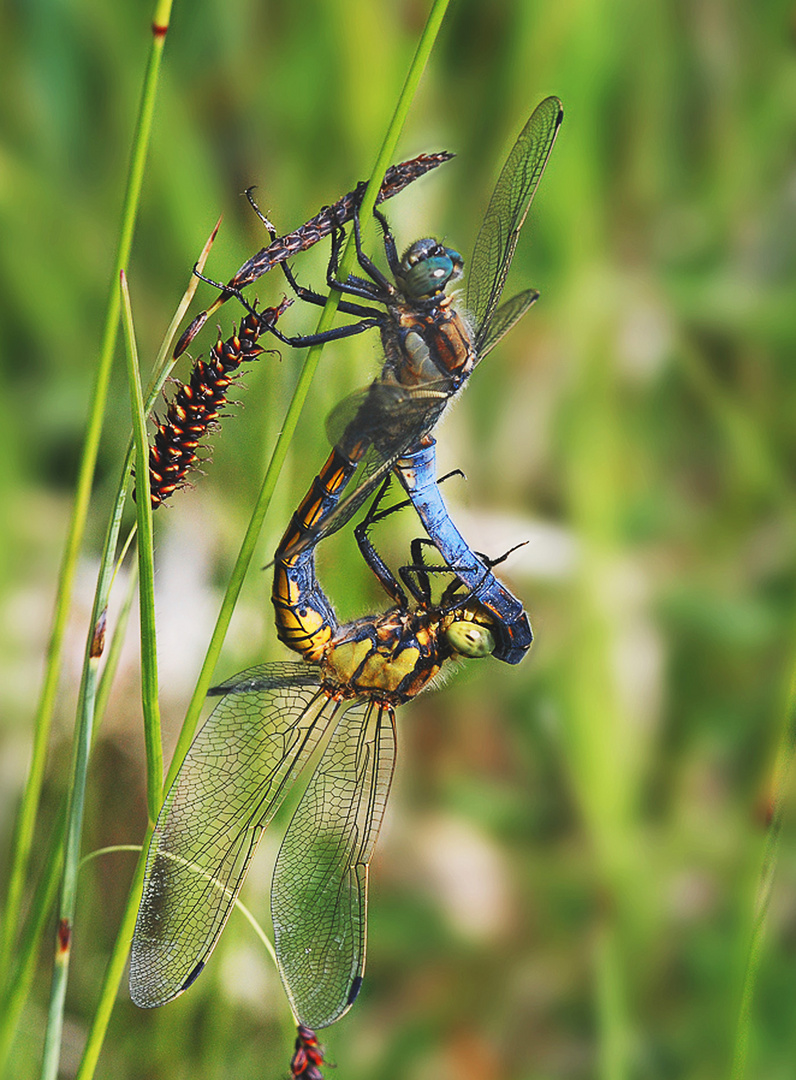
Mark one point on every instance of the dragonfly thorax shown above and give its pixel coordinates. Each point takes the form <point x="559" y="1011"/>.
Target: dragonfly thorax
<point x="389" y="658"/>
<point x="427" y="268"/>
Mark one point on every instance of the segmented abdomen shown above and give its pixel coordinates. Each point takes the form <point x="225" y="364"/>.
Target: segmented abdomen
<point x="305" y="619"/>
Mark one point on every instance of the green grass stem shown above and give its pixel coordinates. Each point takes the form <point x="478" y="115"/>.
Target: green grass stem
<point x="781" y="792"/>
<point x="41" y="906"/>
<point x="26" y="821"/>
<point x="146" y="569"/>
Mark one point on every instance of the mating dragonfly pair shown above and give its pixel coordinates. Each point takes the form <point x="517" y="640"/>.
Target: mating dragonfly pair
<point x="338" y="704"/>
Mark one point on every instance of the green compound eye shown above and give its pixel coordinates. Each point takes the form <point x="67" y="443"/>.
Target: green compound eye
<point x="470" y="639"/>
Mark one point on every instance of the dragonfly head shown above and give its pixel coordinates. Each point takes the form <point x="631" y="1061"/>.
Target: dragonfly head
<point x="427" y="268"/>
<point x="470" y="639"/>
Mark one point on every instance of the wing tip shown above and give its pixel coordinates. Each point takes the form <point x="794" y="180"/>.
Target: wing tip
<point x="353" y="993"/>
<point x="553" y="99"/>
<point x="147" y="997"/>
<point x="193" y="976"/>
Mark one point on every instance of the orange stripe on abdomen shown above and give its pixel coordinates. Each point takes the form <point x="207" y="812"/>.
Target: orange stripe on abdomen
<point x="305" y="619"/>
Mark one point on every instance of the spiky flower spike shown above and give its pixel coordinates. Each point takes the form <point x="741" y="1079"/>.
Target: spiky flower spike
<point x="195" y="408"/>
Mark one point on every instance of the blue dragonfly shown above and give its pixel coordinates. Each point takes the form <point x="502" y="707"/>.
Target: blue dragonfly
<point x="430" y="350"/>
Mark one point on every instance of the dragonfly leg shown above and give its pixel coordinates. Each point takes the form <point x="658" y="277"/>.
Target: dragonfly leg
<point x="367" y="264"/>
<point x="375" y="514"/>
<point x="298" y="341"/>
<point x="365" y="288"/>
<point x="452" y="597"/>
<point x="422" y="583"/>
<point x="310" y="296"/>
<point x="379" y="290"/>
<point x="390" y="251"/>
<point x="333" y="265"/>
<point x="368" y="551"/>
<point x="416" y="575"/>
<point x="383" y="285"/>
<point x="448" y="475"/>
<point x="489" y="564"/>
<point x="501" y="558"/>
<point x="303" y="341"/>
<point x="228" y="289"/>
<point x="313" y="297"/>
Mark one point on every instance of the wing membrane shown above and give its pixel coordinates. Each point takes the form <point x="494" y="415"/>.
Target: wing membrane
<point x="232" y="781"/>
<point x="384" y="412"/>
<point x="320" y="889"/>
<point x="507" y="210"/>
<point x="506" y="316"/>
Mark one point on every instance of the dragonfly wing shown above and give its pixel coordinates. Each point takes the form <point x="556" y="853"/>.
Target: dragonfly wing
<point x="386" y="415"/>
<point x="235" y="775"/>
<point x="508" y="207"/>
<point x="320" y="890"/>
<point x="504" y="318"/>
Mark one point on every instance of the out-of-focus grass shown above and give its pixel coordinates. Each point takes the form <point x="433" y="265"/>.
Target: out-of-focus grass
<point x="565" y="884"/>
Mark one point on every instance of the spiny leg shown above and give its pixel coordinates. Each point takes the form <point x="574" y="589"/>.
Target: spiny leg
<point x="299" y="341"/>
<point x="384" y="575"/>
<point x="389" y="241"/>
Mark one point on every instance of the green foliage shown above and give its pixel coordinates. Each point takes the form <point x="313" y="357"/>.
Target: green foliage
<point x="566" y="884"/>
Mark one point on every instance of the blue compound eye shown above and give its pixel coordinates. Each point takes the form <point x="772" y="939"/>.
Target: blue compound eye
<point x="428" y="267"/>
<point x="429" y="276"/>
<point x="470" y="639"/>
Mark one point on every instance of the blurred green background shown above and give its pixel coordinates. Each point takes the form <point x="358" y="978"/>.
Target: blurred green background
<point x="565" y="883"/>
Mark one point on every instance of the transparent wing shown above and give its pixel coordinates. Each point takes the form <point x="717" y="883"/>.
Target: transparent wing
<point x="239" y="767"/>
<point x="320" y="890"/>
<point x="504" y="318"/>
<point x="508" y="207"/>
<point x="386" y="414"/>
